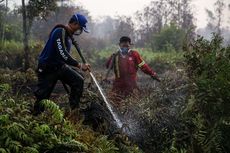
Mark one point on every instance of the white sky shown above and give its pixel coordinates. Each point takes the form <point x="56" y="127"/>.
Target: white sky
<point x="112" y="8"/>
<point x="129" y="7"/>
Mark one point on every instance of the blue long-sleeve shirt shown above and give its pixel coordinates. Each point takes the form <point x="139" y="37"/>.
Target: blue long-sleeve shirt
<point x="57" y="50"/>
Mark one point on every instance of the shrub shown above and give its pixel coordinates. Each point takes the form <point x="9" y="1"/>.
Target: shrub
<point x="12" y="54"/>
<point x="207" y="113"/>
<point x="49" y="132"/>
<point x="170" y="38"/>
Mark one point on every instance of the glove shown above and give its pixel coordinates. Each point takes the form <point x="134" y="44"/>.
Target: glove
<point x="155" y="77"/>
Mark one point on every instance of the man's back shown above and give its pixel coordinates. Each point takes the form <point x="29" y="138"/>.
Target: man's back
<point x="57" y="43"/>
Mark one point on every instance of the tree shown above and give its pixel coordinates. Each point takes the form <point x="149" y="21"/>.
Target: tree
<point x="2" y="8"/>
<point x="108" y="30"/>
<point x="170" y="38"/>
<point x="182" y="15"/>
<point x="229" y="10"/>
<point x="162" y="13"/>
<point x="4" y="20"/>
<point x="30" y="11"/>
<point x="215" y="18"/>
<point x="187" y="15"/>
<point x="146" y="22"/>
<point x="219" y="7"/>
<point x="42" y="26"/>
<point x="10" y="25"/>
<point x="104" y="28"/>
<point x="124" y="27"/>
<point x="211" y="19"/>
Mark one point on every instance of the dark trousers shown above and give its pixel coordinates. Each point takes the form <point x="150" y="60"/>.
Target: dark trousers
<point x="47" y="80"/>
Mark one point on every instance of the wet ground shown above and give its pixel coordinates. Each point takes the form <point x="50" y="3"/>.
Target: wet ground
<point x="148" y="121"/>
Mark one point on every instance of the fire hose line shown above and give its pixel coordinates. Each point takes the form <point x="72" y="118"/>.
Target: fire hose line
<point x="108" y="105"/>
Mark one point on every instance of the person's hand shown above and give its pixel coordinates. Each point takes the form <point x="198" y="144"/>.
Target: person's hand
<point x="84" y="67"/>
<point x="155" y="77"/>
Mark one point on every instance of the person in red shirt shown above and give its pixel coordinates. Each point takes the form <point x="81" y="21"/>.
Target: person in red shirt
<point x="125" y="64"/>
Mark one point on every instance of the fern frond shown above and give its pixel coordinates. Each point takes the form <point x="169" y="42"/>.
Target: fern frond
<point x="2" y="150"/>
<point x="30" y="150"/>
<point x="54" y="109"/>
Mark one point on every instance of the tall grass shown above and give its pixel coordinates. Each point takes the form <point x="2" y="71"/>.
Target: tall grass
<point x="12" y="53"/>
<point x="11" y="46"/>
<point x="147" y="54"/>
<point x="163" y="56"/>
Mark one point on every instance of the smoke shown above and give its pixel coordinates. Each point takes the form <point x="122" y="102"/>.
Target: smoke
<point x="208" y="32"/>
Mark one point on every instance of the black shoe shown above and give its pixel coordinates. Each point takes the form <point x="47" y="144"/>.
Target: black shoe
<point x="36" y="112"/>
<point x="38" y="109"/>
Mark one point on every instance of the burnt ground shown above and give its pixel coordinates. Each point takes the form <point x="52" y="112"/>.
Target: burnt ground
<point x="149" y="120"/>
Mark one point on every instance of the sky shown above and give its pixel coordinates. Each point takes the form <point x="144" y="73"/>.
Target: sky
<point x="98" y="8"/>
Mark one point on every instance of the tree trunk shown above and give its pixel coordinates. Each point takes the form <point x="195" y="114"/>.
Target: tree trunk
<point x="220" y="5"/>
<point x="4" y="22"/>
<point x="25" y="37"/>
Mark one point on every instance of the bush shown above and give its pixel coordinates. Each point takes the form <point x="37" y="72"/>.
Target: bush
<point x="153" y="58"/>
<point x="49" y="132"/>
<point x="21" y="132"/>
<point x="170" y="38"/>
<point x="12" y="54"/>
<point x="207" y="113"/>
<point x="13" y="32"/>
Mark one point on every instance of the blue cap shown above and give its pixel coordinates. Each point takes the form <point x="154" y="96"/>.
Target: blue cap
<point x="81" y="19"/>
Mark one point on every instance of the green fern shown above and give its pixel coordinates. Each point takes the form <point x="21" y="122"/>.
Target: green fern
<point x="4" y="88"/>
<point x="48" y="132"/>
<point x="2" y="150"/>
<point x="210" y="141"/>
<point x="54" y="109"/>
<point x="30" y="150"/>
<point x="105" y="146"/>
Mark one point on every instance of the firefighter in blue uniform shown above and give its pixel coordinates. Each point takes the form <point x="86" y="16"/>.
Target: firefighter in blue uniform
<point x="55" y="63"/>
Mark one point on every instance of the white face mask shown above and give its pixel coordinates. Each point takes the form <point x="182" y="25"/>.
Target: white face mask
<point x="78" y="32"/>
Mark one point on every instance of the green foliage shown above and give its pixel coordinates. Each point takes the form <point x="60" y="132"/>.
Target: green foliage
<point x="171" y="57"/>
<point x="4" y="88"/>
<point x="170" y="38"/>
<point x="54" y="109"/>
<point x="11" y="47"/>
<point x="105" y="146"/>
<point x="40" y="8"/>
<point x="48" y="132"/>
<point x="20" y="82"/>
<point x="10" y="25"/>
<point x="12" y="54"/>
<point x="13" y="32"/>
<point x="20" y="132"/>
<point x="101" y="56"/>
<point x="207" y="110"/>
<point x="158" y="60"/>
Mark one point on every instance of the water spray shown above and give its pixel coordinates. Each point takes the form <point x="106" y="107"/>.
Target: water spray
<point x="108" y="105"/>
